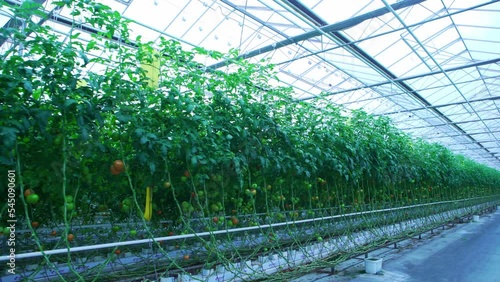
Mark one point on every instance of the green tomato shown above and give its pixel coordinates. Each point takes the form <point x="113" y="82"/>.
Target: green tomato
<point x="133" y="232"/>
<point x="125" y="208"/>
<point x="215" y="208"/>
<point x="184" y="178"/>
<point x="58" y="140"/>
<point x="69" y="199"/>
<point x="116" y="228"/>
<point x="115" y="136"/>
<point x="127" y="202"/>
<point x="70" y="206"/>
<point x="85" y="171"/>
<point x="33" y="199"/>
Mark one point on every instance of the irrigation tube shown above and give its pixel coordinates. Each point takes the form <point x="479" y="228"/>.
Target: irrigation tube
<point x="227" y="231"/>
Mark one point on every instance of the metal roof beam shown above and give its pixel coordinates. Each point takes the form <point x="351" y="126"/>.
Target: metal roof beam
<point x="458" y="135"/>
<point x="444" y="105"/>
<point x="402" y="79"/>
<point x="436" y="18"/>
<point x="452" y="123"/>
<point x="446" y="75"/>
<point x="374" y="64"/>
<point x="396" y="94"/>
<point x="14" y="22"/>
<point x="466" y="143"/>
<point x="326" y="29"/>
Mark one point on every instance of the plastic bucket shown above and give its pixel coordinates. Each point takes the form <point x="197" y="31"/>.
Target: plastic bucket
<point x="373" y="265"/>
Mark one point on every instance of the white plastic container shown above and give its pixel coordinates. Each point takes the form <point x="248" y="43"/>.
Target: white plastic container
<point x="206" y="272"/>
<point x="167" y="279"/>
<point x="220" y="269"/>
<point x="373" y="265"/>
<point x="475" y="218"/>
<point x="184" y="278"/>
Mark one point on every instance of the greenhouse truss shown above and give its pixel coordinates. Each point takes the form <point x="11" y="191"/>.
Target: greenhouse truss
<point x="238" y="140"/>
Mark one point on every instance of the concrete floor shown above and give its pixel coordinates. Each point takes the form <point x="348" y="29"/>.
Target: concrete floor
<point x="465" y="253"/>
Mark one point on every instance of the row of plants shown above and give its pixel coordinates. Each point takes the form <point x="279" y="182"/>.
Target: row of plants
<point x="206" y="142"/>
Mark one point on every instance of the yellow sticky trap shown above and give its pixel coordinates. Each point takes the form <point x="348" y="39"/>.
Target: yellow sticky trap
<point x="148" y="209"/>
<point x="152" y="69"/>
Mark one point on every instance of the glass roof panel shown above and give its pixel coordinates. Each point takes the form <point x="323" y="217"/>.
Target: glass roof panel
<point x="337" y="10"/>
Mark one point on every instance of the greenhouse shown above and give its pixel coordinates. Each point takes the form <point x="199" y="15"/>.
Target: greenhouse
<point x="240" y="140"/>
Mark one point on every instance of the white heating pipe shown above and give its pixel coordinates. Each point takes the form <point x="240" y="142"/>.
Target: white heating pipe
<point x="204" y="234"/>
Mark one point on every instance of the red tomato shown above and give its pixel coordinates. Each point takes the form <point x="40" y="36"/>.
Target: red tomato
<point x="119" y="165"/>
<point x="235" y="220"/>
<point x="113" y="171"/>
<point x="28" y="192"/>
